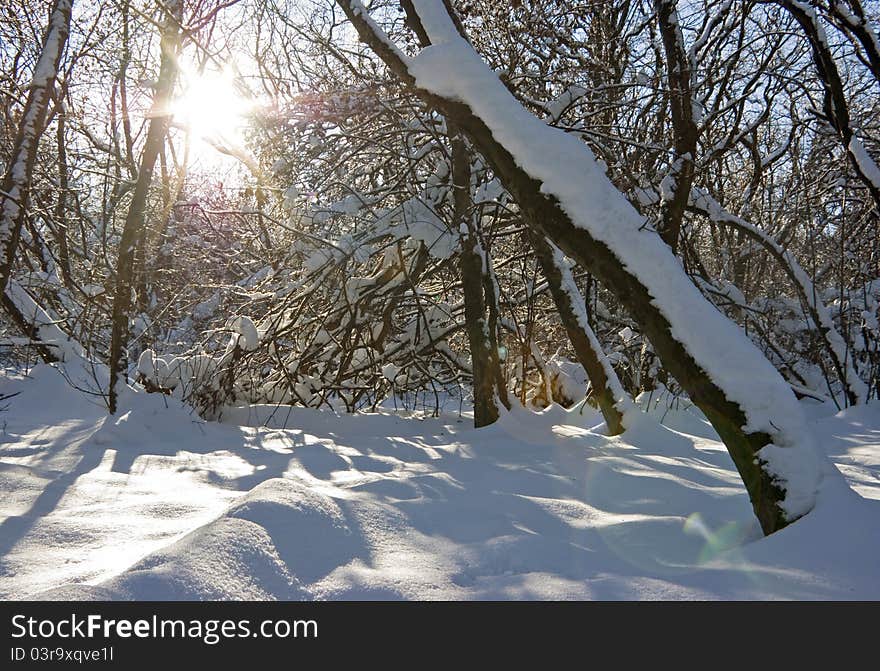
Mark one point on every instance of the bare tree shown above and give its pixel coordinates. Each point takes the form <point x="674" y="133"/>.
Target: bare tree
<point x="133" y="230"/>
<point x="15" y="188"/>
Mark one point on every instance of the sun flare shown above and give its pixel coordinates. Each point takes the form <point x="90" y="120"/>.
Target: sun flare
<point x="213" y="108"/>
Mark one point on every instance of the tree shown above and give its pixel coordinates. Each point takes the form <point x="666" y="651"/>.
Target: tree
<point x="616" y="251"/>
<point x="15" y="187"/>
<point x="133" y="230"/>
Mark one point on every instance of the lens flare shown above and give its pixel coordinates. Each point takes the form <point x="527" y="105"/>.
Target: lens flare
<point x="213" y="108"/>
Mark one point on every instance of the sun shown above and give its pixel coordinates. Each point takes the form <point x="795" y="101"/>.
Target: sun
<point x="213" y="108"/>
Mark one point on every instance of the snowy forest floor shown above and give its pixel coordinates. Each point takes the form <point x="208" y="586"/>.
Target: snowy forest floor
<point x="157" y="504"/>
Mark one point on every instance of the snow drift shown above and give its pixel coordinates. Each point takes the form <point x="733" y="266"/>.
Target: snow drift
<point x="156" y="504"/>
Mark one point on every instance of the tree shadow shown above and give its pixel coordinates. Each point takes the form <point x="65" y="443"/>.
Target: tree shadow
<point x="15" y="527"/>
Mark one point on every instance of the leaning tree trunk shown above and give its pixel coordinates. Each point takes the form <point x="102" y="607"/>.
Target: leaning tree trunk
<point x="606" y="388"/>
<point x="133" y="229"/>
<point x="564" y="195"/>
<point x="15" y="187"/>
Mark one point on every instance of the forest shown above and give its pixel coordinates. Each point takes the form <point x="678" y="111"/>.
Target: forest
<point x="440" y="295"/>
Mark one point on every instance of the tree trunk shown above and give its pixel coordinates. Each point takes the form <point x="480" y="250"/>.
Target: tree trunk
<point x="488" y="383"/>
<point x="133" y="229"/>
<point x="16" y="183"/>
<point x="684" y="129"/>
<point x="606" y="388"/>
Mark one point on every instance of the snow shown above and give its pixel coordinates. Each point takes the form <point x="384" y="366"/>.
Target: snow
<point x="423" y="224"/>
<point x="569" y="97"/>
<point x="245" y="334"/>
<point x="390" y="371"/>
<point x="182" y="373"/>
<point x="291" y="196"/>
<point x="61" y="344"/>
<point x="156" y="504"/>
<point x="866" y="164"/>
<point x="450" y="68"/>
<point x="152" y="367"/>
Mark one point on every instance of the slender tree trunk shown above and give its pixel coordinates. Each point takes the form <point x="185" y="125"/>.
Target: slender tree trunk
<point x="606" y="388"/>
<point x="684" y="129"/>
<point x="488" y="382"/>
<point x="478" y="281"/>
<point x="60" y="226"/>
<point x="15" y="187"/>
<point x="133" y="229"/>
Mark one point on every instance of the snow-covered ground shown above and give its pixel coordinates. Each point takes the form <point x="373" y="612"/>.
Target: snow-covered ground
<point x="157" y="504"/>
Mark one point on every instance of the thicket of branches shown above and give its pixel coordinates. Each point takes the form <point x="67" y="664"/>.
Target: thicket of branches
<point x="359" y="247"/>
